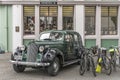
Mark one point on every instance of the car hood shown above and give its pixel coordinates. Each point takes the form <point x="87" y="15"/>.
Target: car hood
<point x="48" y="42"/>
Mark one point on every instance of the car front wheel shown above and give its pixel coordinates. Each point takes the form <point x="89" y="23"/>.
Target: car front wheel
<point x="53" y="69"/>
<point x="18" y="68"/>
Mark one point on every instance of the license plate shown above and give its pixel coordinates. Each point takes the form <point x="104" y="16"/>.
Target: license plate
<point x="18" y="57"/>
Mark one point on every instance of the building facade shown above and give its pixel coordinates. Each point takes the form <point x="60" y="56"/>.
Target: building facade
<point x="98" y="21"/>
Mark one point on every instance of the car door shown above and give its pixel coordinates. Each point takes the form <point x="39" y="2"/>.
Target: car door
<point x="69" y="46"/>
<point x="76" y="45"/>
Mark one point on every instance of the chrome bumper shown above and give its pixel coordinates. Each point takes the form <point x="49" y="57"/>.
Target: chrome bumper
<point x="36" y="64"/>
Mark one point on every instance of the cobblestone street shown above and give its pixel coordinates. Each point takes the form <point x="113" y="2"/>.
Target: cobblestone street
<point x="67" y="73"/>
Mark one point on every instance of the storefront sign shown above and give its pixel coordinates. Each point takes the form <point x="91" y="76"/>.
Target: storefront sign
<point x="17" y="28"/>
<point x="48" y="3"/>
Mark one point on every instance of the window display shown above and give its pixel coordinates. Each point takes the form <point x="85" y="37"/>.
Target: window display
<point x="48" y="18"/>
<point x="68" y="18"/>
<point x="90" y="20"/>
<point x="29" y="20"/>
<point x="109" y="20"/>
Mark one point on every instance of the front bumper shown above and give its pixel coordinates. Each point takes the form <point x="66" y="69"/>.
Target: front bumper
<point x="34" y="64"/>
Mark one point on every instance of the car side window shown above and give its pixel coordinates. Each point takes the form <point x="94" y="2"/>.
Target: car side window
<point x="56" y="36"/>
<point x="68" y="38"/>
<point x="76" y="42"/>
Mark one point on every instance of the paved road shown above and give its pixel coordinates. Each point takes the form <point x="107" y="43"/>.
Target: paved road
<point x="67" y="73"/>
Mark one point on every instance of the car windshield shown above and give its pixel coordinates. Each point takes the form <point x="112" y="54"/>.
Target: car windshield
<point x="54" y="36"/>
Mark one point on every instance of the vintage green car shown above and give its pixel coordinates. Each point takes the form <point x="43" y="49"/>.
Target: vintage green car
<point x="54" y="49"/>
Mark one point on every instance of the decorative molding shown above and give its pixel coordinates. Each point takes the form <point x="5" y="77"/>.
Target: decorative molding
<point x="29" y="37"/>
<point x="36" y="2"/>
<point x="109" y="36"/>
<point x="90" y="37"/>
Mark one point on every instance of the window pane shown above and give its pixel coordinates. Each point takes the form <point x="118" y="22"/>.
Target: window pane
<point x="68" y="18"/>
<point x="68" y="11"/>
<point x="29" y="20"/>
<point x="89" y="20"/>
<point x="90" y="11"/>
<point x="89" y="25"/>
<point x="43" y="11"/>
<point x="112" y="25"/>
<point x="113" y="11"/>
<point x="104" y="21"/>
<point x="109" y="21"/>
<point x="104" y="11"/>
<point x="53" y="11"/>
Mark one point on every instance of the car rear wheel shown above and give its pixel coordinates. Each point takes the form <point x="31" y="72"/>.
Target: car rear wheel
<point x="54" y="68"/>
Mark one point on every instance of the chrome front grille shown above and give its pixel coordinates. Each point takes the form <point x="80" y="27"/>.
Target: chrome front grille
<point x="32" y="51"/>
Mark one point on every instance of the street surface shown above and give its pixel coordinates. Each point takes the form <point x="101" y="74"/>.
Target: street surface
<point x="67" y="73"/>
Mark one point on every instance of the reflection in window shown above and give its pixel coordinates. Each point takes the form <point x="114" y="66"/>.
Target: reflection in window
<point x="53" y="36"/>
<point x="89" y="20"/>
<point x="29" y="20"/>
<point x="109" y="21"/>
<point x="48" y="18"/>
<point x="67" y="18"/>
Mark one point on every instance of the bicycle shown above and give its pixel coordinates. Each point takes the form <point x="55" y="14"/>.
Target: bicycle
<point x="87" y="62"/>
<point x="114" y="53"/>
<point x="103" y="62"/>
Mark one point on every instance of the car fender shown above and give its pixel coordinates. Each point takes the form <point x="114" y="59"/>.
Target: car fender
<point x="60" y="55"/>
<point x="51" y="54"/>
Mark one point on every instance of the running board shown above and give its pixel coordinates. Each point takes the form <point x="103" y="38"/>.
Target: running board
<point x="70" y="62"/>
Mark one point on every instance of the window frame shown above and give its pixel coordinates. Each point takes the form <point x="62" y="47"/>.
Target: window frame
<point x="108" y="18"/>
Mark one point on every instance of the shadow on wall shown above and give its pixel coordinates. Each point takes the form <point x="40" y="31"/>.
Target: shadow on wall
<point x="2" y="49"/>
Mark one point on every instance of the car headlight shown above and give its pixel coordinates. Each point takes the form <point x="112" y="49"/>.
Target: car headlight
<point x="41" y="48"/>
<point x="22" y="47"/>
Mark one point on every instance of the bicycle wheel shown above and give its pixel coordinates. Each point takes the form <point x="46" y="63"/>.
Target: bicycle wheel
<point x="113" y="59"/>
<point x="93" y="67"/>
<point x="114" y="64"/>
<point x="82" y="66"/>
<point x="107" y="65"/>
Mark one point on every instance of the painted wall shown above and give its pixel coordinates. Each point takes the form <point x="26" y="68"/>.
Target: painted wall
<point x="26" y="41"/>
<point x="109" y="42"/>
<point x="90" y="43"/>
<point x="9" y="28"/>
<point x="6" y="27"/>
<point x="17" y="17"/>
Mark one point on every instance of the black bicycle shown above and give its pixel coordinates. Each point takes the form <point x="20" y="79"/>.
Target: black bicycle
<point x="87" y="61"/>
<point x="114" y="53"/>
<point x="103" y="62"/>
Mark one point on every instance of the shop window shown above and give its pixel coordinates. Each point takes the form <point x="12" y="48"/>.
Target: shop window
<point x="109" y="20"/>
<point x="109" y="0"/>
<point x="90" y="20"/>
<point x="48" y="18"/>
<point x="29" y="20"/>
<point x="68" y="18"/>
<point x="67" y="0"/>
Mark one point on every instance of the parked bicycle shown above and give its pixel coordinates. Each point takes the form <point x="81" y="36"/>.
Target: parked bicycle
<point x="103" y="62"/>
<point x="114" y="56"/>
<point x="87" y="61"/>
